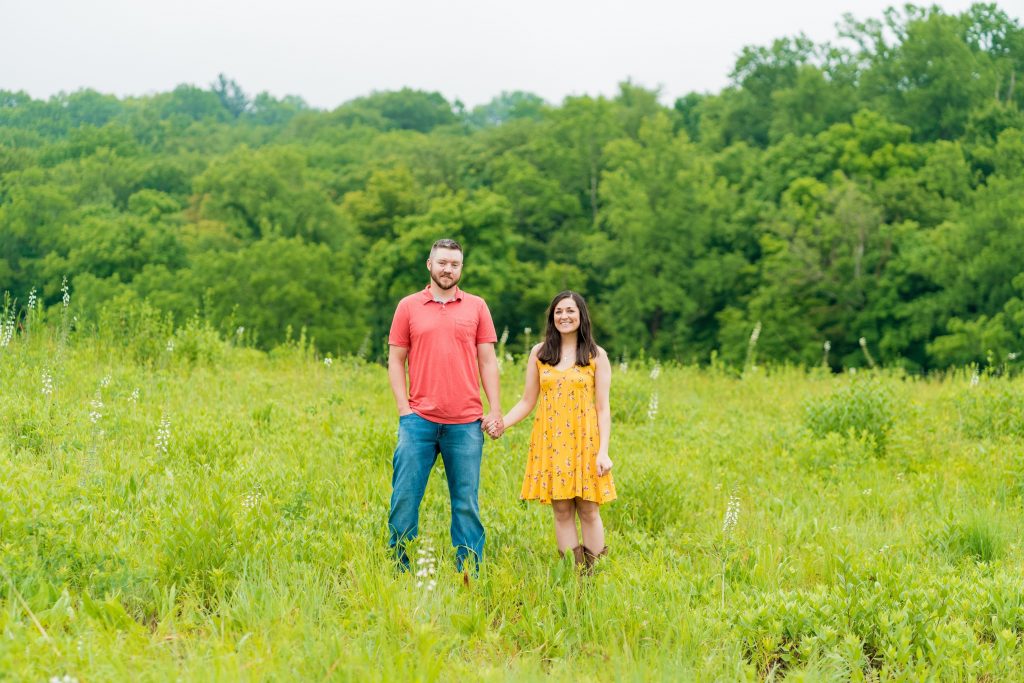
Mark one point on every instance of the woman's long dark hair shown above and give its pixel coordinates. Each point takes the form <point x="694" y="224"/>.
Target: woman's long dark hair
<point x="551" y="349"/>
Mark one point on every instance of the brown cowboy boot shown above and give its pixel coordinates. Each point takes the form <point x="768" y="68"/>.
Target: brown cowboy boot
<point x="591" y="558"/>
<point x="577" y="555"/>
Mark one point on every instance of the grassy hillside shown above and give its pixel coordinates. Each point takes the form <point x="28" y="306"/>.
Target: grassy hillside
<point x="197" y="509"/>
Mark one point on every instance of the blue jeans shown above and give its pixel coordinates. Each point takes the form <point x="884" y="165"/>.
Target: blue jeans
<point x="461" y="448"/>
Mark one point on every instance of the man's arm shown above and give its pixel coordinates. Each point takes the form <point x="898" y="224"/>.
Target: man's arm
<point x="488" y="362"/>
<point x="397" y="356"/>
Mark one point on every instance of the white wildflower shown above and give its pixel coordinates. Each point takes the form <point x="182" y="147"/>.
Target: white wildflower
<point x="105" y="382"/>
<point x="328" y="361"/>
<point x="426" y="564"/>
<point x="755" y="333"/>
<point x="170" y="345"/>
<point x="656" y="371"/>
<point x="96" y="414"/>
<point x="134" y="398"/>
<point x="7" y="330"/>
<point x="163" y="435"/>
<point x="827" y="345"/>
<point x="732" y="515"/>
<point x="240" y="331"/>
<point x="31" y="300"/>
<point x="252" y="499"/>
<point x="65" y="292"/>
<point x="975" y="379"/>
<point x="47" y="383"/>
<point x="504" y="336"/>
<point x="652" y="406"/>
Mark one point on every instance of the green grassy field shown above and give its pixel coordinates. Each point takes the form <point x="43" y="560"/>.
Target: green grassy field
<point x="214" y="513"/>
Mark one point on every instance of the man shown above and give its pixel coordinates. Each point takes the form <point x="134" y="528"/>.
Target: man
<point x="447" y="338"/>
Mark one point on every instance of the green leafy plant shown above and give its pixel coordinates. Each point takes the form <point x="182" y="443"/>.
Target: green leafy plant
<point x="991" y="407"/>
<point x="862" y="408"/>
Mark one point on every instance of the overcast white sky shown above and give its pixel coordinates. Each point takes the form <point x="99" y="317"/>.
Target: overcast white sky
<point x="329" y="52"/>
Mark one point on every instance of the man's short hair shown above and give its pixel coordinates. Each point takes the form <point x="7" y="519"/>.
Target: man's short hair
<point x="445" y="244"/>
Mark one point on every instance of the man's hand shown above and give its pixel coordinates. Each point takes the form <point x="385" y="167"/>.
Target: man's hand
<point x="397" y="357"/>
<point x="494" y="425"/>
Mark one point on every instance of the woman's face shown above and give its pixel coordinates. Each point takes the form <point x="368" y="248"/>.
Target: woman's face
<point x="566" y="316"/>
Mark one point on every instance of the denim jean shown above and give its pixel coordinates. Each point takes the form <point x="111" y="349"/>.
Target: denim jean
<point x="461" y="449"/>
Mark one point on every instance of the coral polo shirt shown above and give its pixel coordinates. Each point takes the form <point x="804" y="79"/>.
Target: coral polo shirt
<point x="444" y="376"/>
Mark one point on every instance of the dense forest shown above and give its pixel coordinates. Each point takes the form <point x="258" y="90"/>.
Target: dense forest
<point x="869" y="189"/>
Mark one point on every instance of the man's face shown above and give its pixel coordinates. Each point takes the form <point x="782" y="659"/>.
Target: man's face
<point x="445" y="266"/>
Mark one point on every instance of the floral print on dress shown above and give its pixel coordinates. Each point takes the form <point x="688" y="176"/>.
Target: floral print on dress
<point x="562" y="460"/>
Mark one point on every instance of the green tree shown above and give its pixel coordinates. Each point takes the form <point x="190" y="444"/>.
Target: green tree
<point x="265" y="110"/>
<point x="688" y="110"/>
<point x="672" y="256"/>
<point x="109" y="244"/>
<point x="279" y="283"/>
<point x="481" y="222"/>
<point x="508" y="106"/>
<point x="572" y="149"/>
<point x="390" y="195"/>
<point x="928" y="78"/>
<point x="271" y="192"/>
<point x="825" y="272"/>
<point x="187" y="103"/>
<point x="813" y="102"/>
<point x="31" y="215"/>
<point x="759" y="73"/>
<point x="231" y="95"/>
<point x="547" y="218"/>
<point x="404" y="109"/>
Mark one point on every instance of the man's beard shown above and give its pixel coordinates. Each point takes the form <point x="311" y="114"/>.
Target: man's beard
<point x="439" y="283"/>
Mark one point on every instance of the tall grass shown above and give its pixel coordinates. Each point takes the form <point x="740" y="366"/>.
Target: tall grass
<point x="223" y="518"/>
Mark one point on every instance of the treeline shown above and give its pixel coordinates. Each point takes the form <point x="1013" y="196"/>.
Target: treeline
<point x="871" y="188"/>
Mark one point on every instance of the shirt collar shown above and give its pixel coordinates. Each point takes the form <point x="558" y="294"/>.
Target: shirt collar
<point x="428" y="296"/>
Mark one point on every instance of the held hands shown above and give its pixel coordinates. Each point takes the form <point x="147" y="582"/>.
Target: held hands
<point x="493" y="425"/>
<point x="604" y="464"/>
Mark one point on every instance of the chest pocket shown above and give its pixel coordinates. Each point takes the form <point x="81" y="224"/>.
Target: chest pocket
<point x="465" y="330"/>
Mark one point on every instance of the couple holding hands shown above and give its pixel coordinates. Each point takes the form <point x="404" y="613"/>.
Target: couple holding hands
<point x="446" y="338"/>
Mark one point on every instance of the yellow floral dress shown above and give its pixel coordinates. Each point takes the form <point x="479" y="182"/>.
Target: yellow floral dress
<point x="562" y="461"/>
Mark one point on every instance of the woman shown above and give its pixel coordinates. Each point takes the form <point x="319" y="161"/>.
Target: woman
<point x="568" y="465"/>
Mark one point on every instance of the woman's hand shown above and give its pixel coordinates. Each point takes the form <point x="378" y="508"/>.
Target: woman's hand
<point x="494" y="427"/>
<point x="604" y="464"/>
